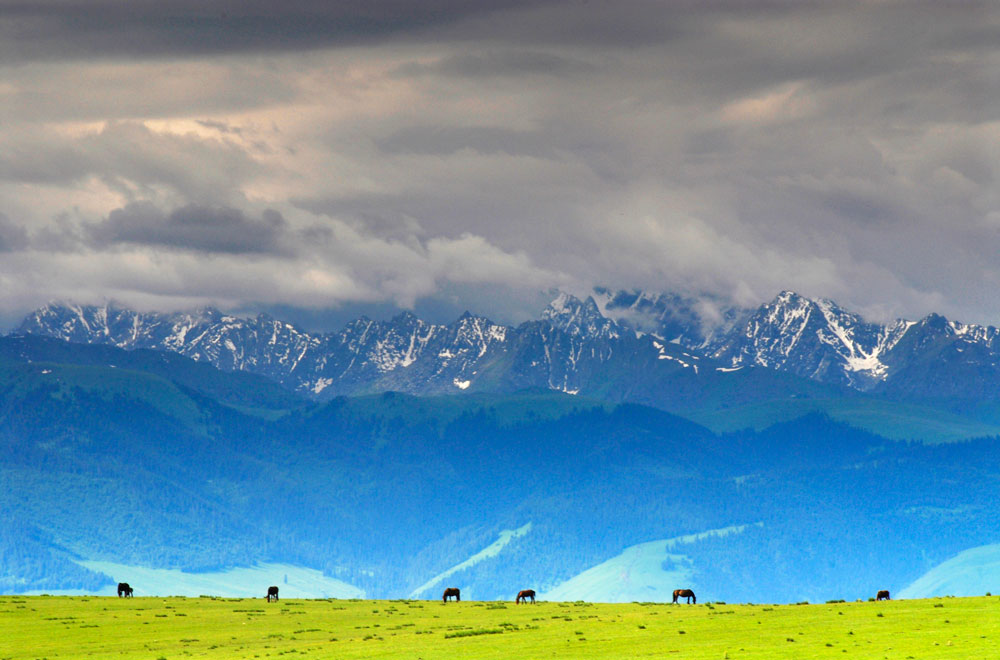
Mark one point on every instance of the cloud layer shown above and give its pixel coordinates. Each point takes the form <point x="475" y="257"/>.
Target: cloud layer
<point x="328" y="154"/>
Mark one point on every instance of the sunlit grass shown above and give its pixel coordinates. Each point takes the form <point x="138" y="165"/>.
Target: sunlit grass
<point x="106" y="627"/>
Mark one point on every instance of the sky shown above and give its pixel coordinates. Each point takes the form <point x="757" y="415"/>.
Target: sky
<point x="330" y="158"/>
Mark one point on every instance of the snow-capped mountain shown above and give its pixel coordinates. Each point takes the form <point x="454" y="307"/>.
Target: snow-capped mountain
<point x="812" y="338"/>
<point x="819" y="340"/>
<point x="620" y="345"/>
<point x="565" y="351"/>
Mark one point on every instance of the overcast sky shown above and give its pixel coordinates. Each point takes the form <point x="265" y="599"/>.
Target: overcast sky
<point x="328" y="157"/>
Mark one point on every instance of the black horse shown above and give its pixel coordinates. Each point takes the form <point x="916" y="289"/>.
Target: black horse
<point x="524" y="595"/>
<point x="685" y="593"/>
<point x="882" y="595"/>
<point x="451" y="591"/>
<point x="124" y="591"/>
<point x="272" y="592"/>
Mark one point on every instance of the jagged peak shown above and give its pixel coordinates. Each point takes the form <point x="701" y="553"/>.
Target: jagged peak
<point x="579" y="317"/>
<point x="566" y="304"/>
<point x="468" y="318"/>
<point x="405" y="317"/>
<point x="788" y="298"/>
<point x="936" y="321"/>
<point x="561" y="304"/>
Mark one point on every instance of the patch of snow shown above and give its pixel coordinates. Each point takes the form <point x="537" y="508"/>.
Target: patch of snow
<point x="409" y="358"/>
<point x="969" y="573"/>
<point x="561" y="304"/>
<point x="727" y="370"/>
<point x="321" y="384"/>
<point x="492" y="550"/>
<point x="637" y="574"/>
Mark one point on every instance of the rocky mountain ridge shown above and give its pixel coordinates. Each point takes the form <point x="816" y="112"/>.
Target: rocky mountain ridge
<point x="605" y="345"/>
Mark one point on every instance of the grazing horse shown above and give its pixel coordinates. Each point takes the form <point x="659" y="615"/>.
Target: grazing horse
<point x="451" y="591"/>
<point x="882" y="595"/>
<point x="524" y="595"/>
<point x="124" y="591"/>
<point x="685" y="593"/>
<point x="272" y="592"/>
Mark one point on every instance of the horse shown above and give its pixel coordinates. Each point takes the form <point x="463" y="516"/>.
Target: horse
<point x="124" y="591"/>
<point x="272" y="591"/>
<point x="882" y="595"/>
<point x="451" y="591"/>
<point x="524" y="595"/>
<point x="685" y="593"/>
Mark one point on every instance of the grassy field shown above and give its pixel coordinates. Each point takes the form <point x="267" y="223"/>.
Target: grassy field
<point x="155" y="628"/>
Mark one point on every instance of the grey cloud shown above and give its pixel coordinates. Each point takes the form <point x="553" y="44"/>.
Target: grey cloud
<point x="221" y="126"/>
<point x="127" y="156"/>
<point x="443" y="140"/>
<point x="499" y="63"/>
<point x="843" y="148"/>
<point x="12" y="237"/>
<point x="198" y="228"/>
<point x="108" y="90"/>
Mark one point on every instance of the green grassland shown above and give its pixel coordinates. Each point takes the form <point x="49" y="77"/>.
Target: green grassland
<point x="153" y="628"/>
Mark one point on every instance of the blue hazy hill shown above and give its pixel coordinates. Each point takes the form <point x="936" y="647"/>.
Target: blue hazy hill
<point x="151" y="466"/>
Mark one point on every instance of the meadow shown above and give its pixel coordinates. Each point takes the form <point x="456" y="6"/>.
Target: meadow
<point x="49" y="627"/>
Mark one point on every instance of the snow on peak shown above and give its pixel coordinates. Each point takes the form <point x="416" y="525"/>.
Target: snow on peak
<point x="579" y="317"/>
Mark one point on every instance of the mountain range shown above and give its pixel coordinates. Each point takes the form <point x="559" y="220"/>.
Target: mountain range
<point x="692" y="356"/>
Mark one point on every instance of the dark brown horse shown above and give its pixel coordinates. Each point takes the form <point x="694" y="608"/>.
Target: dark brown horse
<point x="685" y="593"/>
<point x="882" y="595"/>
<point x="272" y="592"/>
<point x="124" y="591"/>
<point x="451" y="591"/>
<point x="524" y="595"/>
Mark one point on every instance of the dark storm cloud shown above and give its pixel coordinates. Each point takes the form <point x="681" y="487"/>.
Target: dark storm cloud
<point x="99" y="28"/>
<point x="198" y="228"/>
